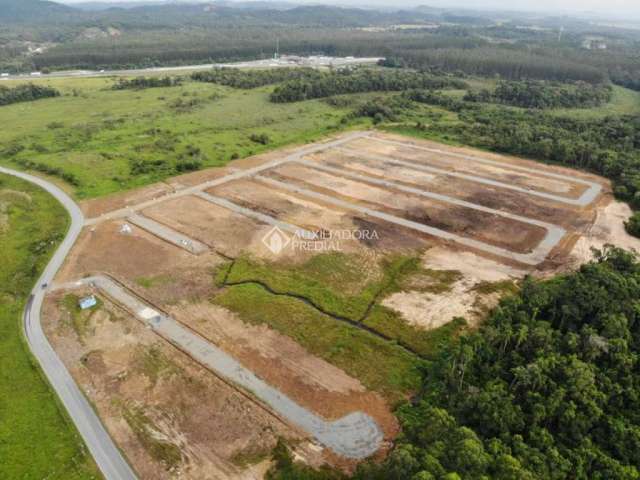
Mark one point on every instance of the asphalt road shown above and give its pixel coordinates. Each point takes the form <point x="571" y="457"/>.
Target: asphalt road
<point x="108" y="458"/>
<point x="313" y="62"/>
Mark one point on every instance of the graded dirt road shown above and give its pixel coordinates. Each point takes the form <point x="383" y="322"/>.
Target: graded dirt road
<point x="355" y="436"/>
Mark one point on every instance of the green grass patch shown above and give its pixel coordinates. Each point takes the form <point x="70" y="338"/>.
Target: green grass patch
<point x="424" y="342"/>
<point x="161" y="450"/>
<point x="503" y="287"/>
<point x="154" y="364"/>
<point x="150" y="282"/>
<point x="431" y="281"/>
<point x="349" y="287"/>
<point x="339" y="284"/>
<point x="37" y="440"/>
<point x="111" y="140"/>
<point x="623" y="102"/>
<point x="80" y="320"/>
<point x="380" y="365"/>
<point x="250" y="456"/>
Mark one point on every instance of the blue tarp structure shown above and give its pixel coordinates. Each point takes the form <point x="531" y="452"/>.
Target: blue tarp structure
<point x="88" y="302"/>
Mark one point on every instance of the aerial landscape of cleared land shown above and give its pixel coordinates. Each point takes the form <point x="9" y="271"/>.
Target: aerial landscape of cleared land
<point x="325" y="332"/>
<point x="404" y="264"/>
<point x="337" y="332"/>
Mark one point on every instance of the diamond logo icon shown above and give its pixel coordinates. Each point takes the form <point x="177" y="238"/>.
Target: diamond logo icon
<point x="276" y="240"/>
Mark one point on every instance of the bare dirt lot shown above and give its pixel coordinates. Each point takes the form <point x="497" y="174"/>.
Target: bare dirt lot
<point x="483" y="219"/>
<point x="170" y="415"/>
<point x="317" y="384"/>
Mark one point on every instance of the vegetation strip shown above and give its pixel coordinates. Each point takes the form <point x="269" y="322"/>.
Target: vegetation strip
<point x="354" y="323"/>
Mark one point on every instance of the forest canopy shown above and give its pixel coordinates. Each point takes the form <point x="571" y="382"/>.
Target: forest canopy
<point x="359" y="80"/>
<point x="546" y="388"/>
<point x="25" y="93"/>
<point x="543" y="95"/>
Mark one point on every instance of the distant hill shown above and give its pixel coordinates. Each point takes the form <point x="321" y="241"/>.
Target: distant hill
<point x="253" y="5"/>
<point x="193" y="13"/>
<point x="31" y="10"/>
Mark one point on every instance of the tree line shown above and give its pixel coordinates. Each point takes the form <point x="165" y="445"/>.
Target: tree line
<point x="140" y="83"/>
<point x="508" y="63"/>
<point x="545" y="389"/>
<point x="359" y="80"/>
<point x="236" y="78"/>
<point x="26" y="93"/>
<point x="543" y="95"/>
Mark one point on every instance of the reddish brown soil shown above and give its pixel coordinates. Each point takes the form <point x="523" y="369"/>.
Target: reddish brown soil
<point x="124" y="367"/>
<point x="279" y="360"/>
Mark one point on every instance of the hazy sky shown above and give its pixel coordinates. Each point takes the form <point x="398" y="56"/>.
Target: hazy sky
<point x="612" y="7"/>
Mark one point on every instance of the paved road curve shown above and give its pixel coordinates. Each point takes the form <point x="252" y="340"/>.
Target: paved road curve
<point x="107" y="456"/>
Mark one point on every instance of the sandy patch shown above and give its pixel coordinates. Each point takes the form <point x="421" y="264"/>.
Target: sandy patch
<point x="506" y="159"/>
<point x="137" y="255"/>
<point x="608" y="228"/>
<point x="223" y="230"/>
<point x="429" y="311"/>
<point x="454" y="164"/>
<point x="499" y="231"/>
<point x="471" y="266"/>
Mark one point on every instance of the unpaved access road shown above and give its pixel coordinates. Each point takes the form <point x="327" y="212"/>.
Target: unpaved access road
<point x="536" y="255"/>
<point x="356" y="436"/>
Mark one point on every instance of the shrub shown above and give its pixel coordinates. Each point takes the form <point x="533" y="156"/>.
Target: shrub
<point x="261" y="138"/>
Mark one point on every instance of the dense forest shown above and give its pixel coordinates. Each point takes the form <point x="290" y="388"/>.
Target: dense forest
<point x="515" y="47"/>
<point x="543" y="95"/>
<point x="438" y="52"/>
<point x="25" y="93"/>
<point x="546" y="388"/>
<point x="509" y="63"/>
<point x="359" y="80"/>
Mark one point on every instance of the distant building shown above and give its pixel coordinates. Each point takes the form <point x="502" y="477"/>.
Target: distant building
<point x="88" y="302"/>
<point x="594" y="43"/>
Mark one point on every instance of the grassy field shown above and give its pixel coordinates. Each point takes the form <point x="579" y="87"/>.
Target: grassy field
<point x="111" y="140"/>
<point x="380" y="365"/>
<point x="623" y="102"/>
<point x="36" y="438"/>
<point x="303" y="301"/>
<point x="103" y="140"/>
